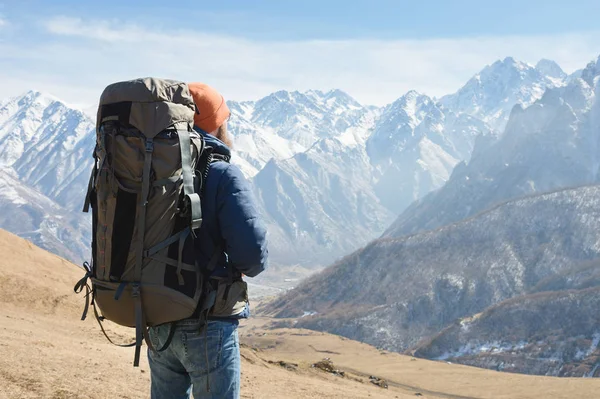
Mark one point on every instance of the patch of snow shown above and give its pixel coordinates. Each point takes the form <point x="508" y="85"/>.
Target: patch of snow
<point x="472" y="348"/>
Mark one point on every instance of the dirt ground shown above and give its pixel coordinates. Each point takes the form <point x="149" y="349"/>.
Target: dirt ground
<point x="47" y="352"/>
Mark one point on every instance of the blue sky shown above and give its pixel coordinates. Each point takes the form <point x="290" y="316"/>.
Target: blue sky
<point x="375" y="50"/>
<point x="335" y="19"/>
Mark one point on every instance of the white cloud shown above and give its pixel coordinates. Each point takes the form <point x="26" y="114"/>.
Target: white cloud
<point x="81" y="57"/>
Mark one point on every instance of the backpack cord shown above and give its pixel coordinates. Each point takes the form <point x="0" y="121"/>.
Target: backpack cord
<point x="140" y="327"/>
<point x="99" y="320"/>
<point x="90" y="292"/>
<point x="81" y="284"/>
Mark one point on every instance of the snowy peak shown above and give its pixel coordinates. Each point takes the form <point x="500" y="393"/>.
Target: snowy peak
<point x="504" y="70"/>
<point x="591" y="71"/>
<point x="414" y="106"/>
<point x="285" y="123"/>
<point x="491" y="94"/>
<point x="397" y="123"/>
<point x="283" y="105"/>
<point x="36" y="97"/>
<point x="278" y="107"/>
<point x="48" y="144"/>
<point x="30" y="119"/>
<point x="407" y="119"/>
<point x="45" y="158"/>
<point x="551" y="144"/>
<point x="35" y="104"/>
<point x="578" y="95"/>
<point x="414" y="147"/>
<point x="550" y="69"/>
<point x="335" y="99"/>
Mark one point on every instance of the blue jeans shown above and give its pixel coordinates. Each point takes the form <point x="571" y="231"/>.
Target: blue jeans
<point x="183" y="368"/>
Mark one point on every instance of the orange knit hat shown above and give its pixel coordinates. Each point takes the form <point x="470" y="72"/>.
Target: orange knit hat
<point x="212" y="110"/>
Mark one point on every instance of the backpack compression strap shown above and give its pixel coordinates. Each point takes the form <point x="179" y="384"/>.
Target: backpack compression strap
<point x="191" y="198"/>
<point x="192" y="208"/>
<point x="137" y="272"/>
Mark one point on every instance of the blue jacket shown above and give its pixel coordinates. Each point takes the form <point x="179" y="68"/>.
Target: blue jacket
<point x="230" y="219"/>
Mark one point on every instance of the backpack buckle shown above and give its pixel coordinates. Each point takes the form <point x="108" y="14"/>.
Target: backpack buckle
<point x="135" y="290"/>
<point x="149" y="145"/>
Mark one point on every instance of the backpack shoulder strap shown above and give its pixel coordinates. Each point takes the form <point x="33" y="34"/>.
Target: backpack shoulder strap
<point x="208" y="157"/>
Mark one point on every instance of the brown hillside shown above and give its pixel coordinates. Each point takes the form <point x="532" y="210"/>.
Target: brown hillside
<point x="48" y="353"/>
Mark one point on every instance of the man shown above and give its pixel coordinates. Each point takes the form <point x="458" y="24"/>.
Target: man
<point x="207" y="361"/>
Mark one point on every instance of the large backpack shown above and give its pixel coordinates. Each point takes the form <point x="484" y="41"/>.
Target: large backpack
<point x="144" y="192"/>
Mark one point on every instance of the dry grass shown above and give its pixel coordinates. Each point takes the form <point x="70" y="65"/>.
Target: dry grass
<point x="48" y="353"/>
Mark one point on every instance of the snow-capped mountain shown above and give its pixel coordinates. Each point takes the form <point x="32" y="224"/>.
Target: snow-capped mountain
<point x="553" y="143"/>
<point x="408" y="288"/>
<point x="306" y="117"/>
<point x="551" y="70"/>
<point x="45" y="158"/>
<point x="330" y="174"/>
<point x="31" y="215"/>
<point x="343" y="190"/>
<point x="320" y="203"/>
<point x="49" y="145"/>
<point x="492" y="93"/>
<point x="414" y="147"/>
<point x="286" y="123"/>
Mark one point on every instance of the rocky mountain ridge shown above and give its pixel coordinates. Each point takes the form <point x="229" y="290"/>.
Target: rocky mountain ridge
<point x="405" y="289"/>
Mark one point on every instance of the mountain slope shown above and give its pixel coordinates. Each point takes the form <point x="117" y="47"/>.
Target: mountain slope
<point x="552" y="144"/>
<point x="405" y="289"/>
<point x="549" y="333"/>
<point x="319" y="204"/>
<point x="29" y="214"/>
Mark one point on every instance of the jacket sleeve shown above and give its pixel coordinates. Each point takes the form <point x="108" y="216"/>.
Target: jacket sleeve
<point x="241" y="226"/>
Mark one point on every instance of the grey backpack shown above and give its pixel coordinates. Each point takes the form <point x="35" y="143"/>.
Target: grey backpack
<point x="144" y="192"/>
